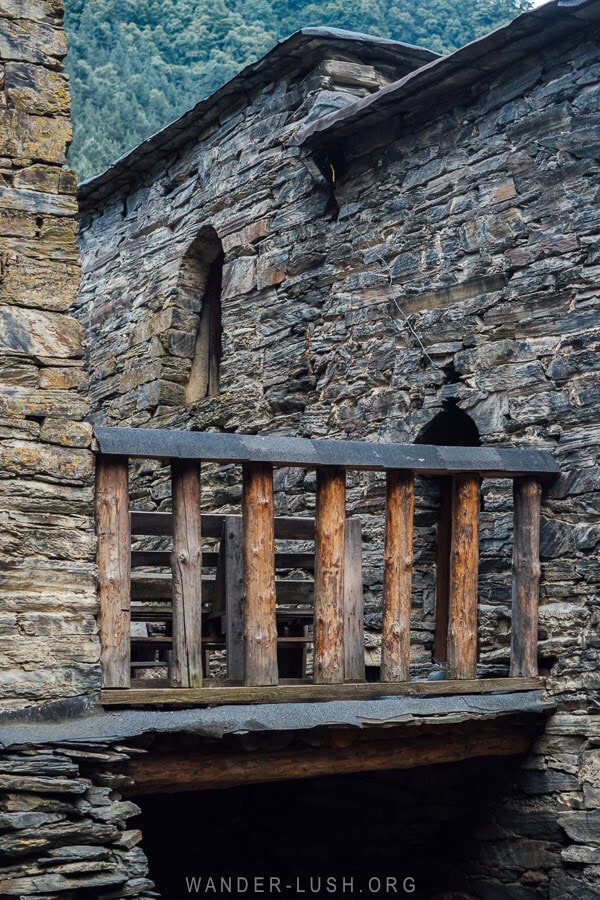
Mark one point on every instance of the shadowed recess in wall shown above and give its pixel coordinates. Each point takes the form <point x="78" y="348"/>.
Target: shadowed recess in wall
<point x="452" y="427"/>
<point x="368" y="834"/>
<point x="199" y="289"/>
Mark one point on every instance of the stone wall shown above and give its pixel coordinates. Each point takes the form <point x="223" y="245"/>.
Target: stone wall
<point x="485" y="219"/>
<point x="63" y="825"/>
<point x="48" y="644"/>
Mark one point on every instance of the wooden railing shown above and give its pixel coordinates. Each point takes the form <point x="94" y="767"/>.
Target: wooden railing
<point x="246" y="563"/>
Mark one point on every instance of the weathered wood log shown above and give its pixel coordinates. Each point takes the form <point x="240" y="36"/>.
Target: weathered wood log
<point x="464" y="570"/>
<point x="354" y="625"/>
<point x="260" y="638"/>
<point x="307" y="693"/>
<point x="186" y="666"/>
<point x="442" y="571"/>
<point x="397" y="577"/>
<point x="329" y="575"/>
<point x="527" y="495"/>
<point x="114" y="568"/>
<point x="398" y="748"/>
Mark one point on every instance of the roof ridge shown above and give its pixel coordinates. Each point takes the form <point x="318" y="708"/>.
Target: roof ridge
<point x="258" y="73"/>
<point x="525" y="26"/>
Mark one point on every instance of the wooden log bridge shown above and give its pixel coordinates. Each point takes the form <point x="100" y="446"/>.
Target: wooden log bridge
<point x="256" y="608"/>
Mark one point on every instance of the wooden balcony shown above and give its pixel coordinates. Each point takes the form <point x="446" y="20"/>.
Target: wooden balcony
<point x="237" y="595"/>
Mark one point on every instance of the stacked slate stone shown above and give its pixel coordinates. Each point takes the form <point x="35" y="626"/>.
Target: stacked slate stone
<point x="48" y="644"/>
<point x="63" y="825"/>
<point x="62" y="822"/>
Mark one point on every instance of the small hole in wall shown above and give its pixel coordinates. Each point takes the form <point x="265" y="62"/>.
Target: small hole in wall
<point x="450" y="374"/>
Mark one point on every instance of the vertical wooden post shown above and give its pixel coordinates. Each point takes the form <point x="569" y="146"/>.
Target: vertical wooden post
<point x="114" y="569"/>
<point x="330" y="528"/>
<point x="397" y="577"/>
<point x="354" y="625"/>
<point x="186" y="560"/>
<point x="442" y="571"/>
<point x="464" y="570"/>
<point x="258" y="510"/>
<point x="231" y="546"/>
<point x="525" y="577"/>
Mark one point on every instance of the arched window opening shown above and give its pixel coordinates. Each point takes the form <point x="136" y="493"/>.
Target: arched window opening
<point x="199" y="289"/>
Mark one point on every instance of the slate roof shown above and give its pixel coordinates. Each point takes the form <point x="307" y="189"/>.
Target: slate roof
<point x="302" y="49"/>
<point x="424" y="90"/>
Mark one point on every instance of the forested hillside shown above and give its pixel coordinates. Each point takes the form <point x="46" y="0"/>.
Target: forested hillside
<point x="137" y="64"/>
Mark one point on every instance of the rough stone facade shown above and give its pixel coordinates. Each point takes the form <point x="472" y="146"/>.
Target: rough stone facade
<point x="62" y="824"/>
<point x="48" y="644"/>
<point x="479" y="222"/>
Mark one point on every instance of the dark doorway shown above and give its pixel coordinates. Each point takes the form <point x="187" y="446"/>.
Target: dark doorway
<point x="368" y="829"/>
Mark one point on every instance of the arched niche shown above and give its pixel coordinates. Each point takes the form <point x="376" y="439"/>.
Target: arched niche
<point x="199" y="289"/>
<point x="451" y="427"/>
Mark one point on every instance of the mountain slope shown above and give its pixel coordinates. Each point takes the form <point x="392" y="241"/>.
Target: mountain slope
<point x="137" y="64"/>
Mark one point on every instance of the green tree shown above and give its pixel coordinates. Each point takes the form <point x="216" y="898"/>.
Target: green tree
<point x="137" y="64"/>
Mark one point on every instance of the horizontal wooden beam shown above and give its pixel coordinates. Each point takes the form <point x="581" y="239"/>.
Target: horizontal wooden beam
<point x="157" y="443"/>
<point x="159" y="524"/>
<point x="407" y="748"/>
<point x="306" y="693"/>
<point x="158" y="588"/>
<point x="210" y="559"/>
<point x="142" y="611"/>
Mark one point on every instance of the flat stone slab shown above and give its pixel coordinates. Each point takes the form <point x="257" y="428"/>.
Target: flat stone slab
<point x="216" y="722"/>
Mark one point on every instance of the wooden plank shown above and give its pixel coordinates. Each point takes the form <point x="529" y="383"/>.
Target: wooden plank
<point x="186" y="666"/>
<point x="142" y="612"/>
<point x="114" y="568"/>
<point x="442" y="571"/>
<point x="464" y="570"/>
<point x="329" y="576"/>
<point x="162" y="559"/>
<point x="156" y="443"/>
<point x="213" y="641"/>
<point x="397" y="577"/>
<point x="260" y="636"/>
<point x="293" y="560"/>
<point x="210" y="559"/>
<point x="308" y="693"/>
<point x="527" y="495"/>
<point x="398" y="748"/>
<point x="233" y="586"/>
<point x="159" y="524"/>
<point x="157" y="587"/>
<point x="354" y="625"/>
